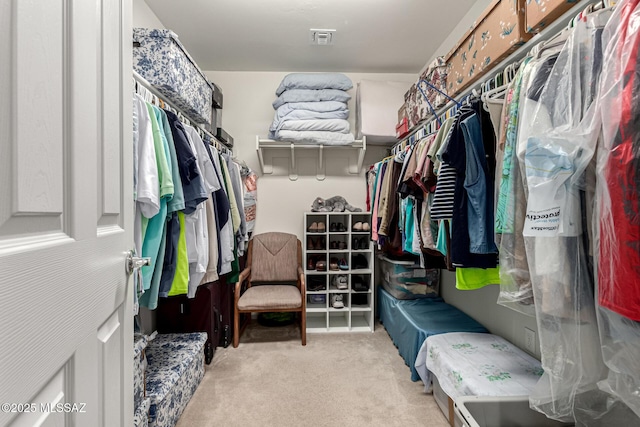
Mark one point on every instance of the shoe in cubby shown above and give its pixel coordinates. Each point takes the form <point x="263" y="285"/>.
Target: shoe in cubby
<point x="316" y="224"/>
<point x="340" y="282"/>
<point x="317" y="299"/>
<point x="337" y="301"/>
<point x="359" y="262"/>
<point x="316" y="283"/>
<point x="359" y="283"/>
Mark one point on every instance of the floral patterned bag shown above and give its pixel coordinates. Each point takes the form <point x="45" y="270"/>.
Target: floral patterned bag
<point x="417" y="105"/>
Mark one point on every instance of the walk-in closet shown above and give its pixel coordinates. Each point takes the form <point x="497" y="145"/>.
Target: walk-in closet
<point x="281" y="213"/>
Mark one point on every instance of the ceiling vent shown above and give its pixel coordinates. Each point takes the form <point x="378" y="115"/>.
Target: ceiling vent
<point x="321" y="37"/>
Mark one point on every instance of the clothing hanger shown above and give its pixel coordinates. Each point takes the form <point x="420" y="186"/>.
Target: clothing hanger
<point x="493" y="95"/>
<point x="427" y="99"/>
<point x="437" y="90"/>
<point x="557" y="40"/>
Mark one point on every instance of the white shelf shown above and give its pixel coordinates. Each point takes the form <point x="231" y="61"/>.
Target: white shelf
<point x="350" y="318"/>
<point x="360" y="325"/>
<point x="316" y="323"/>
<point x="360" y="146"/>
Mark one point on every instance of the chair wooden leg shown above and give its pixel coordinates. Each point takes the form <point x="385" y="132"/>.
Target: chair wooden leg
<point x="303" y="327"/>
<point x="236" y="328"/>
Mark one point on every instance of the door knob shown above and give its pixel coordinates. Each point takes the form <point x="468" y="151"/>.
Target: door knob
<point x="134" y="262"/>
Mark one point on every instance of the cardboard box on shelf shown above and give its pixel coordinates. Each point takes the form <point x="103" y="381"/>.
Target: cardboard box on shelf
<point x="540" y="13"/>
<point x="402" y="112"/>
<point x="402" y="128"/>
<point x="498" y="31"/>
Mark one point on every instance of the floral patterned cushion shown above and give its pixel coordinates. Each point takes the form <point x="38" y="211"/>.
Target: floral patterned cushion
<point x="175" y="369"/>
<point x="139" y="367"/>
<point x="141" y="416"/>
<point x="160" y="58"/>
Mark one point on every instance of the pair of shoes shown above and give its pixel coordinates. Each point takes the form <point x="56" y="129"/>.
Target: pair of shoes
<point x="359" y="262"/>
<point x="316" y="245"/>
<point x="340" y="282"/>
<point x="336" y="301"/>
<point x="316" y="283"/>
<point x="317" y="299"/>
<point x="358" y="285"/>
<point x="313" y="263"/>
<point x="321" y="265"/>
<point x="360" y="244"/>
<point x="338" y="245"/>
<point x="336" y="264"/>
<point x="337" y="227"/>
<point x="361" y="226"/>
<point x="317" y="227"/>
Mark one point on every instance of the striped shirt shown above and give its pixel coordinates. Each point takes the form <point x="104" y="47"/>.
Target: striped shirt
<point x="442" y="206"/>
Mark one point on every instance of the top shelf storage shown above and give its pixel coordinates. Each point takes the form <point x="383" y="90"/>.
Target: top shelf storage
<point x="360" y="146"/>
<point x="160" y="58"/>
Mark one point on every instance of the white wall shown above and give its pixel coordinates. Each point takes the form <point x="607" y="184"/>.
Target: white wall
<point x="144" y="17"/>
<point x="481" y="305"/>
<point x="247" y="112"/>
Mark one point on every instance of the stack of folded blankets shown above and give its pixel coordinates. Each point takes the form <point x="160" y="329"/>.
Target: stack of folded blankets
<point x="312" y="109"/>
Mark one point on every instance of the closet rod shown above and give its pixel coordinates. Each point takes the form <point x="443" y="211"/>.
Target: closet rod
<point x="154" y="91"/>
<point x="548" y="32"/>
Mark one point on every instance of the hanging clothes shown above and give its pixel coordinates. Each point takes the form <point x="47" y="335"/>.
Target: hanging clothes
<point x="150" y="298"/>
<point x="147" y="187"/>
<point x="154" y="227"/>
<point x="617" y="184"/>
<point x="515" y="281"/>
<point x="455" y="156"/>
<point x="250" y="182"/>
<point x="197" y="228"/>
<point x="555" y="155"/>
<point x="223" y="215"/>
<point x="211" y="273"/>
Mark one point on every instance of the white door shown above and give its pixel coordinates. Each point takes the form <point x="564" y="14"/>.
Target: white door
<point x="66" y="213"/>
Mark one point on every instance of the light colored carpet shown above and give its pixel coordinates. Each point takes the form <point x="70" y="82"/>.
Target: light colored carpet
<point x="337" y="379"/>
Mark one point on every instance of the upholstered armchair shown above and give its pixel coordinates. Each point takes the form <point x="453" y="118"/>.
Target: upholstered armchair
<point x="273" y="280"/>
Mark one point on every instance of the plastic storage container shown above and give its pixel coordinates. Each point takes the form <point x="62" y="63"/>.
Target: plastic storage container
<point x="407" y="280"/>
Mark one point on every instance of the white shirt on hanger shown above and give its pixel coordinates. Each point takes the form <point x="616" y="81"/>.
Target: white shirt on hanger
<point x="148" y="185"/>
<point x="198" y="267"/>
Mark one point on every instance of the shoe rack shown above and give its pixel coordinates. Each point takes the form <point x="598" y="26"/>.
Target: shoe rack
<point x="338" y="255"/>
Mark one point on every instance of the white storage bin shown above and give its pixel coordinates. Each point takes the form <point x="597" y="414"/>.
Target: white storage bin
<point x="444" y="402"/>
<point x="160" y="58"/>
<point x="472" y="411"/>
<point x="377" y="109"/>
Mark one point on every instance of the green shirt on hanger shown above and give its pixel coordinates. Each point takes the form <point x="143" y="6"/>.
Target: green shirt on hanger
<point x="180" y="285"/>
